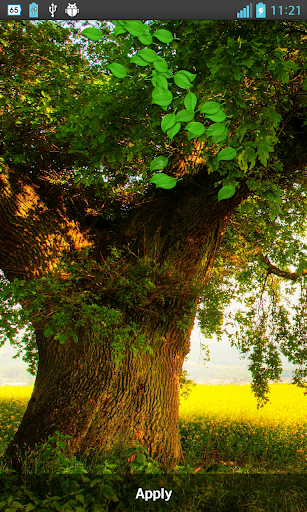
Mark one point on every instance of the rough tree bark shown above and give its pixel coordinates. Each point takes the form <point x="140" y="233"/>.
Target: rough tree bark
<point x="79" y="389"/>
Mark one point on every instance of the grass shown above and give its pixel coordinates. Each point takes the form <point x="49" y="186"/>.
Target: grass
<point x="223" y="436"/>
<point x="221" y="424"/>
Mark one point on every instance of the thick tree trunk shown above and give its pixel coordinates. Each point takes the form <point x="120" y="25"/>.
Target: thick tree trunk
<point x="80" y="390"/>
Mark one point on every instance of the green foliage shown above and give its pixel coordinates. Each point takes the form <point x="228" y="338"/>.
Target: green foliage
<point x="140" y="462"/>
<point x="227" y="54"/>
<point x="267" y="319"/>
<point x="66" y="312"/>
<point x="98" y="309"/>
<point x="227" y="154"/>
<point x="171" y="123"/>
<point x="52" y="457"/>
<point x="163" y="181"/>
<point x="226" y="192"/>
<point x="186" y="385"/>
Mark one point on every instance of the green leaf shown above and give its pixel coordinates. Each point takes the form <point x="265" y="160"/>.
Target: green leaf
<point x="167" y="73"/>
<point x="226" y="192"/>
<point x="92" y="33"/>
<point x="272" y="197"/>
<point x="148" y="55"/>
<point x="118" y="70"/>
<point x="247" y="155"/>
<point x="163" y="35"/>
<point x="135" y="28"/>
<point x="185" y="116"/>
<point x="182" y="81"/>
<point x="168" y="122"/>
<point x="211" y="107"/>
<point x="215" y="129"/>
<point x="159" y="81"/>
<point x="156" y="91"/>
<point x="163" y="181"/>
<point x="17" y="504"/>
<point x="29" y="507"/>
<point x="136" y="59"/>
<point x="220" y="138"/>
<point x="190" y="76"/>
<point x="48" y="331"/>
<point x="119" y="30"/>
<point x="160" y="65"/>
<point x="118" y="22"/>
<point x="145" y="39"/>
<point x="190" y="101"/>
<point x="195" y="129"/>
<point x="174" y="130"/>
<point x="158" y="163"/>
<point x="219" y="117"/>
<point x="275" y="117"/>
<point x="264" y="149"/>
<point x="248" y="61"/>
<point x="227" y="154"/>
<point x="163" y="99"/>
<point x="62" y="337"/>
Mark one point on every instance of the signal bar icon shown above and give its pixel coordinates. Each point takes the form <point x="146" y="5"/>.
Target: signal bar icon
<point x="246" y="12"/>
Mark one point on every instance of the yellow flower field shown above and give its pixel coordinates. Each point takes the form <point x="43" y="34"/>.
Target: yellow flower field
<point x="288" y="405"/>
<point x="218" y="424"/>
<point x="21" y="393"/>
<point x="13" y="403"/>
<point x="222" y="424"/>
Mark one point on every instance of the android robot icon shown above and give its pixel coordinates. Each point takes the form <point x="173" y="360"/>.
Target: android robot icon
<point x="72" y="10"/>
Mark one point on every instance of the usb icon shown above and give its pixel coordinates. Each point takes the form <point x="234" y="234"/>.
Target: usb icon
<point x="33" y="10"/>
<point x="260" y="10"/>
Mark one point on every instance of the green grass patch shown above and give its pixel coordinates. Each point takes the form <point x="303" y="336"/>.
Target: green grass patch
<point x="233" y="462"/>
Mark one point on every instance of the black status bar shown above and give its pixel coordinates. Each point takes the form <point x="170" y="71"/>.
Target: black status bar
<point x="159" y="9"/>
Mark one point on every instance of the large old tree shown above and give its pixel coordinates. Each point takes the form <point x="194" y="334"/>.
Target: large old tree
<point x="109" y="270"/>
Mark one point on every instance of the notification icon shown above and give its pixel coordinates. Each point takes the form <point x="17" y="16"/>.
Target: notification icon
<point x="33" y="10"/>
<point x="14" y="10"/>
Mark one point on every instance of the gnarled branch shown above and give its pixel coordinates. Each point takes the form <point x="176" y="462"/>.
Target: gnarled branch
<point x="272" y="269"/>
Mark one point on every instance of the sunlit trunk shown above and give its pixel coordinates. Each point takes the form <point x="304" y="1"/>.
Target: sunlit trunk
<point x="80" y="389"/>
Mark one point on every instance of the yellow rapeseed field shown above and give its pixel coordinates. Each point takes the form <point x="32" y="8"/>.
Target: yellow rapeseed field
<point x="222" y="424"/>
<point x="13" y="403"/>
<point x="288" y="405"/>
<point x="22" y="393"/>
<point x="218" y="424"/>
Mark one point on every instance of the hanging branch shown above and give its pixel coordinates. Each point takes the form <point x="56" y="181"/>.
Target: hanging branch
<point x="272" y="269"/>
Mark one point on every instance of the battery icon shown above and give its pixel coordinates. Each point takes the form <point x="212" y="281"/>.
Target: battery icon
<point x="260" y="10"/>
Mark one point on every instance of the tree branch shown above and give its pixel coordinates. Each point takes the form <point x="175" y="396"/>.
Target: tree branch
<point x="272" y="269"/>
